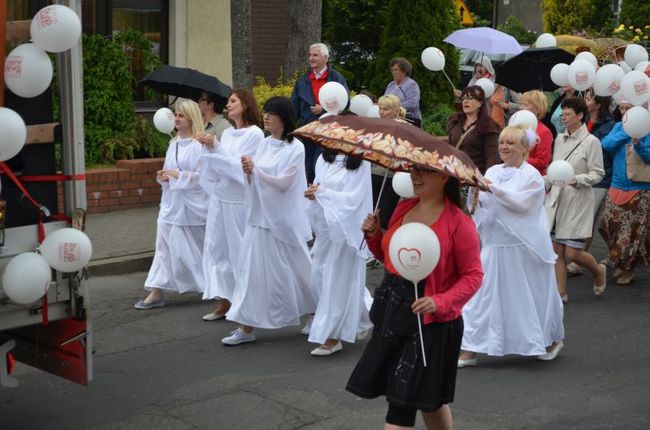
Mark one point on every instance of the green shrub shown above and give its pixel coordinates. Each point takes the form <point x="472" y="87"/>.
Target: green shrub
<point x="436" y="122"/>
<point x="515" y="28"/>
<point x="263" y="91"/>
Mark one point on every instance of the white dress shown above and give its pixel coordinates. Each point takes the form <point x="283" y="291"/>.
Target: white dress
<point x="343" y="200"/>
<point x="518" y="309"/>
<point x="180" y="232"/>
<point x="222" y="178"/>
<point x="272" y="287"/>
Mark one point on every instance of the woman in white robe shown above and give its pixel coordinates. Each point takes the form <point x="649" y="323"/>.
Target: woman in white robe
<point x="181" y="220"/>
<point x="272" y="283"/>
<point x="517" y="310"/>
<point x="340" y="199"/>
<point x="223" y="180"/>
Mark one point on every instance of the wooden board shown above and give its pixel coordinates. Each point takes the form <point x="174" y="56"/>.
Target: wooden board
<point x="40" y="133"/>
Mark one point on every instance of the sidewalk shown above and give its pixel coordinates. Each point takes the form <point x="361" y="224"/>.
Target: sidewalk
<point x="123" y="241"/>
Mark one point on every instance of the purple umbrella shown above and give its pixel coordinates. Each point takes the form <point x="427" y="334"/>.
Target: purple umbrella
<point x="484" y="39"/>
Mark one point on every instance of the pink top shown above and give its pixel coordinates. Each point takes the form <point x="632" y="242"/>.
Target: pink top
<point x="458" y="274"/>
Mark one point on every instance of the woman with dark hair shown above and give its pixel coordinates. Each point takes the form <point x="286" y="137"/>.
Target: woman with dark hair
<point x="405" y="88"/>
<point x="599" y="123"/>
<point x="570" y="208"/>
<point x="181" y="221"/>
<point x="272" y="287"/>
<point x="391" y="364"/>
<point x="340" y="198"/>
<point x="223" y="180"/>
<point x="473" y="131"/>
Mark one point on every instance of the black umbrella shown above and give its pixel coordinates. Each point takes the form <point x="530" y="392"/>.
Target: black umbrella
<point x="184" y="82"/>
<point x="531" y="70"/>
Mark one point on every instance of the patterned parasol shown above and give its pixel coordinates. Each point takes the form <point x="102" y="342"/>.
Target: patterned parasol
<point x="392" y="144"/>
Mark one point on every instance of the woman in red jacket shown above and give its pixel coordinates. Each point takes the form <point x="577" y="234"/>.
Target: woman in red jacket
<point x="539" y="156"/>
<point x="391" y="364"/>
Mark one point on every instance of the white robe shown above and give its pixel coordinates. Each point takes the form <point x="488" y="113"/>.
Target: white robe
<point x="343" y="200"/>
<point x="518" y="309"/>
<point x="222" y="178"/>
<point x="272" y="283"/>
<point x="181" y="222"/>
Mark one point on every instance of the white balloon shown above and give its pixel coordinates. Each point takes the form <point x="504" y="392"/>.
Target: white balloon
<point x="433" y="59"/>
<point x="545" y="40"/>
<point x="55" y="28"/>
<point x="581" y="74"/>
<point x="360" y="104"/>
<point x="163" y="120"/>
<point x="373" y="112"/>
<point x="525" y="117"/>
<point x="326" y="114"/>
<point x="28" y="70"/>
<point x="618" y="97"/>
<point x="67" y="249"/>
<point x="560" y="172"/>
<point x="608" y="80"/>
<point x="643" y="66"/>
<point x="333" y="97"/>
<point x="634" y="54"/>
<point x="635" y="87"/>
<point x="403" y="185"/>
<point x="560" y="74"/>
<point x="626" y="68"/>
<point x="636" y="122"/>
<point x="26" y="278"/>
<point x="414" y="251"/>
<point x="13" y="133"/>
<point x="487" y="85"/>
<point x="586" y="55"/>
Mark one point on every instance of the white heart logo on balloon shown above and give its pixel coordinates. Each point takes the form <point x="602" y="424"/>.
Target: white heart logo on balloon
<point x="614" y="87"/>
<point x="641" y="87"/>
<point x="582" y="77"/>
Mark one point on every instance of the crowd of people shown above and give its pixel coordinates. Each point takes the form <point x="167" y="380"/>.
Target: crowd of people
<point x="239" y="209"/>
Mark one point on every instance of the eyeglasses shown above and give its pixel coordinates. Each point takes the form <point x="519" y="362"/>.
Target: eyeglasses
<point x="468" y="97"/>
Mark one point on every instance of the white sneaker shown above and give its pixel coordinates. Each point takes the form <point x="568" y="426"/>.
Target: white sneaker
<point x="307" y="328"/>
<point x="552" y="355"/>
<point x="237" y="337"/>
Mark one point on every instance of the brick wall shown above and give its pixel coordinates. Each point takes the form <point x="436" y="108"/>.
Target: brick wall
<point x="270" y="35"/>
<point x="130" y="184"/>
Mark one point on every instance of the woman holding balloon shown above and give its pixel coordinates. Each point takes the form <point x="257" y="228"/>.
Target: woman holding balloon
<point x="339" y="200"/>
<point x="626" y="220"/>
<point x="392" y="363"/>
<point x="223" y="180"/>
<point x="515" y="311"/>
<point x="570" y="206"/>
<point x="183" y="209"/>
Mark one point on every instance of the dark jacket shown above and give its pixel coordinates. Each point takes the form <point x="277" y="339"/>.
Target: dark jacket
<point x="481" y="146"/>
<point x="600" y="130"/>
<point x="302" y="97"/>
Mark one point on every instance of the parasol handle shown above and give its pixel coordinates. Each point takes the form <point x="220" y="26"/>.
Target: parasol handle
<point x="424" y="357"/>
<point x="381" y="191"/>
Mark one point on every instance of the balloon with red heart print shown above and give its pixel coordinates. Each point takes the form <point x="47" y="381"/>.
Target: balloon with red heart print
<point x="414" y="251"/>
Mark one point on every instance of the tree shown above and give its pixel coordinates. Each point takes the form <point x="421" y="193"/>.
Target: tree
<point x="482" y="9"/>
<point x="353" y="28"/>
<point x="635" y="12"/>
<point x="515" y="28"/>
<point x="408" y="31"/>
<point x="304" y="30"/>
<point x="570" y="16"/>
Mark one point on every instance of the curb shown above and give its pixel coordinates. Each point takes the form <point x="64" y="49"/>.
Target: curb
<point x="121" y="265"/>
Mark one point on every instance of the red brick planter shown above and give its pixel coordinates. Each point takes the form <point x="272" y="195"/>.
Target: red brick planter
<point x="130" y="184"/>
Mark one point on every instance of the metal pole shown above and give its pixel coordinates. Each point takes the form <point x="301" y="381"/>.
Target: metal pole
<point x="70" y="79"/>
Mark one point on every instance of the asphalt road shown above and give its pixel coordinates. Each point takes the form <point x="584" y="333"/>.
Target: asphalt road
<point x="166" y="369"/>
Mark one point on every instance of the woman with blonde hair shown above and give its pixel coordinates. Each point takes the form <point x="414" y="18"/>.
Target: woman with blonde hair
<point x="539" y="155"/>
<point x="389" y="107"/>
<point x="514" y="311"/>
<point x="183" y="209"/>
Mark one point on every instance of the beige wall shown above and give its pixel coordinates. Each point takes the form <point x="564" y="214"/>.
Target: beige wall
<point x="199" y="36"/>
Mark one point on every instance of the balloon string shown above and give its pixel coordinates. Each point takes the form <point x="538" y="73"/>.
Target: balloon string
<point x="424" y="357"/>
<point x="447" y="76"/>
